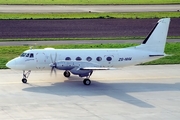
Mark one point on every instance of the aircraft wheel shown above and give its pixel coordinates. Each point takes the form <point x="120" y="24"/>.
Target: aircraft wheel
<point x="87" y="81"/>
<point x="67" y="74"/>
<point x="24" y="80"/>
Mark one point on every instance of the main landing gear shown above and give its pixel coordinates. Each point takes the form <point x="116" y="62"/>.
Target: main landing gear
<point x="25" y="75"/>
<point x="67" y="73"/>
<point x="87" y="81"/>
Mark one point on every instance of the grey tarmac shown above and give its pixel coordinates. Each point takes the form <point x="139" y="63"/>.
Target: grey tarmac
<point x="85" y="8"/>
<point x="131" y="93"/>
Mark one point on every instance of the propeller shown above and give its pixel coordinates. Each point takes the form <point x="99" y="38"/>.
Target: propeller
<point x="53" y="64"/>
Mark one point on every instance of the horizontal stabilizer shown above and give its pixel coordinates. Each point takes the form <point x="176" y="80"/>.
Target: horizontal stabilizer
<point x="155" y="55"/>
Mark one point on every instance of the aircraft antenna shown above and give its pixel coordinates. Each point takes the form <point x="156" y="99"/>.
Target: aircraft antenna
<point x="30" y="47"/>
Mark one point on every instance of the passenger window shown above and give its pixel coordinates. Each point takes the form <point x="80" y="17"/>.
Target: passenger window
<point x="31" y="55"/>
<point x="98" y="58"/>
<point x="27" y="55"/>
<point x="78" y="59"/>
<point x="108" y="58"/>
<point x="67" y="58"/>
<point x="88" y="58"/>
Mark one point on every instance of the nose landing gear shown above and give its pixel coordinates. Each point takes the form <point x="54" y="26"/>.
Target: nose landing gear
<point x="24" y="80"/>
<point x="25" y="75"/>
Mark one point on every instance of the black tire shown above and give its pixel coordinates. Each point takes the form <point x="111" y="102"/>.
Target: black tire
<point x="24" y="80"/>
<point x="87" y="82"/>
<point x="67" y="74"/>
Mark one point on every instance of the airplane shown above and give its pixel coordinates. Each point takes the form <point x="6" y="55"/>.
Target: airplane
<point x="83" y="62"/>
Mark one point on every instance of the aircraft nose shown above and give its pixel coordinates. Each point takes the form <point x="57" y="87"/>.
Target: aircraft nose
<point x="11" y="64"/>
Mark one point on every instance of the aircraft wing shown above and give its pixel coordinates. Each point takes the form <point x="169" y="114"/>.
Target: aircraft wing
<point x="97" y="68"/>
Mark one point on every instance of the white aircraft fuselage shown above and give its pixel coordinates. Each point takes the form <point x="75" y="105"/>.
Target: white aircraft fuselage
<point x="108" y="58"/>
<point x="83" y="62"/>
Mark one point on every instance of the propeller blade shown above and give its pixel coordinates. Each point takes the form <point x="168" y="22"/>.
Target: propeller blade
<point x="51" y="71"/>
<point x="53" y="64"/>
<point x="51" y="58"/>
<point x="55" y="58"/>
<point x="55" y="71"/>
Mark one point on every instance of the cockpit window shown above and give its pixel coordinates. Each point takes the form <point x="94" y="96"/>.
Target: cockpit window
<point x="27" y="55"/>
<point x="23" y="54"/>
<point x="31" y="55"/>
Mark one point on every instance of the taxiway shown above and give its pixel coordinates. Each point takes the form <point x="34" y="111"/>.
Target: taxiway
<point x="132" y="93"/>
<point x="86" y="8"/>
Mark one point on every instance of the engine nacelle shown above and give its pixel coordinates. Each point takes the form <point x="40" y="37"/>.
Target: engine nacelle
<point x="81" y="73"/>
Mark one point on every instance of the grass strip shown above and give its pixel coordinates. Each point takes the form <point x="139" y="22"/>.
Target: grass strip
<point x="87" y="2"/>
<point x="9" y="52"/>
<point x="87" y="15"/>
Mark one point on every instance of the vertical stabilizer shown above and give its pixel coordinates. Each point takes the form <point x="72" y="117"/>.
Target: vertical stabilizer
<point x="156" y="39"/>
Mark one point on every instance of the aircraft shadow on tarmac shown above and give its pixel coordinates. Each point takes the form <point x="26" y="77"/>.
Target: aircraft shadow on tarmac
<point x="73" y="86"/>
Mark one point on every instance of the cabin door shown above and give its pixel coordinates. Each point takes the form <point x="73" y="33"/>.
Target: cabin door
<point x="41" y="60"/>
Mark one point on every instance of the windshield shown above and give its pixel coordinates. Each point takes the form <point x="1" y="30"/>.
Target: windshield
<point x="31" y="55"/>
<point x="27" y="55"/>
<point x="23" y="54"/>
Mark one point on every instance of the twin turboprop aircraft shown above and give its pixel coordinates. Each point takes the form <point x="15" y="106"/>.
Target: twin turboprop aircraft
<point x="83" y="62"/>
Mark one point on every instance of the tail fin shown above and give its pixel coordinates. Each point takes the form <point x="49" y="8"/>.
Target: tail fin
<point x="156" y="39"/>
